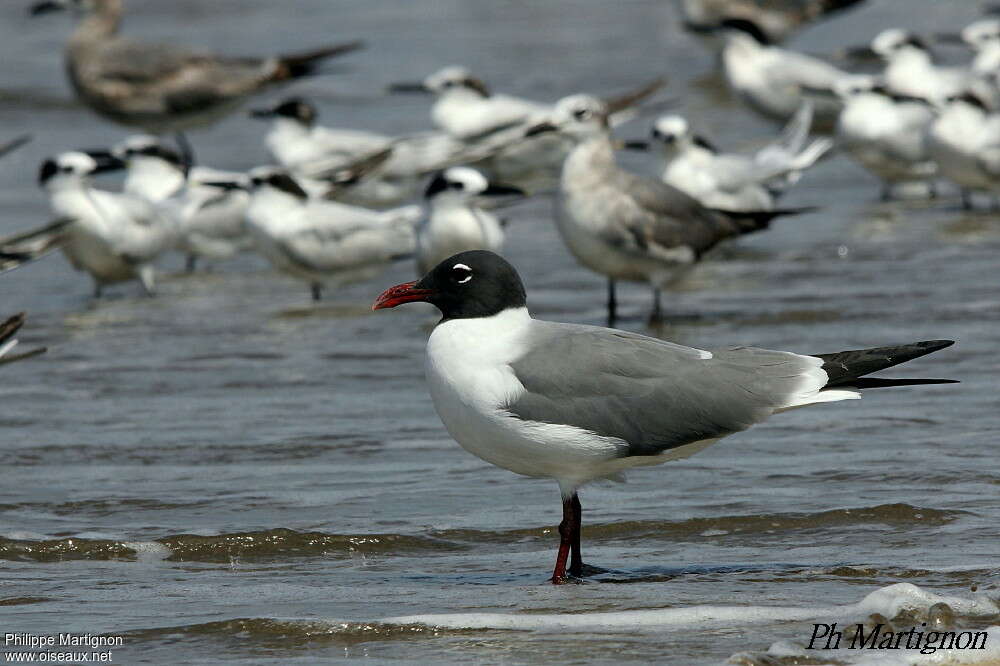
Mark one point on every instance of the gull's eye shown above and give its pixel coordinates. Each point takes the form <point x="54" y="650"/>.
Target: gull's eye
<point x="448" y="84"/>
<point x="455" y="185"/>
<point x="461" y="273"/>
<point x="582" y="114"/>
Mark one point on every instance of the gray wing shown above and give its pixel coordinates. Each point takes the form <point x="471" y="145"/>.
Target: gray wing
<point x="658" y="215"/>
<point x="653" y="395"/>
<point x="28" y="246"/>
<point x="159" y="78"/>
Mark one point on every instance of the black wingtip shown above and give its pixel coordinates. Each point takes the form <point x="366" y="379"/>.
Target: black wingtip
<point x="300" y="64"/>
<point x="846" y="367"/>
<point x="879" y="382"/>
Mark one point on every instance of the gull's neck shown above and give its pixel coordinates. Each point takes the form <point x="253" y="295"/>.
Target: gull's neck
<point x="101" y="23"/>
<point x="590" y="163"/>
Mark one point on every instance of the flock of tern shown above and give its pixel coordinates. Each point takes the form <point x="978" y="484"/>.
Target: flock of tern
<point x="337" y="205"/>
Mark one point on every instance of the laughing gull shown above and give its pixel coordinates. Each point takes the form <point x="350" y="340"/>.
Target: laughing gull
<point x="161" y="87"/>
<point x="964" y="140"/>
<point x="114" y="237"/>
<point x="8" y="329"/>
<point x="578" y="403"/>
<point x="455" y="222"/>
<point x="886" y="133"/>
<point x="733" y="181"/>
<point x="625" y="226"/>
<point x="774" y="81"/>
<point x="778" y="20"/>
<point x="324" y="242"/>
<point x="208" y="205"/>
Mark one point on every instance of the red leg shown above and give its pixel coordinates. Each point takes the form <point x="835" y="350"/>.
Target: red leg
<point x="566" y="532"/>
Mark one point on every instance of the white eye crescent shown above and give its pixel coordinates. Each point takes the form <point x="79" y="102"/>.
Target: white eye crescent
<point x="463" y="267"/>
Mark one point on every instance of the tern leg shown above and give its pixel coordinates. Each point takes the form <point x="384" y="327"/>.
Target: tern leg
<point x="190" y="263"/>
<point x="656" y="316"/>
<point x="612" y="303"/>
<point x="187" y="150"/>
<point x="317" y="291"/>
<point x="886" y="191"/>
<point x="569" y="533"/>
<point x="98" y="289"/>
<point x="966" y="199"/>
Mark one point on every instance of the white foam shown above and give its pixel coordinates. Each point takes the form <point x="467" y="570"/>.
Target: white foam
<point x="148" y="550"/>
<point x="889" y="601"/>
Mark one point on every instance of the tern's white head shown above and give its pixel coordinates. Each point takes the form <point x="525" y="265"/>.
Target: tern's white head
<point x="293" y="109"/>
<point x="982" y="34"/>
<point x="746" y="30"/>
<point x="144" y="148"/>
<point x="73" y="168"/>
<point x="894" y="42"/>
<point x="454" y="78"/>
<point x="154" y="170"/>
<point x="460" y="185"/>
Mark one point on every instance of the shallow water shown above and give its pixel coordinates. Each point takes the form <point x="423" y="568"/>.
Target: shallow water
<point x="227" y="473"/>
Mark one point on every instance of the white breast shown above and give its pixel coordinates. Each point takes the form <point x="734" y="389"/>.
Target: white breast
<point x="470" y="381"/>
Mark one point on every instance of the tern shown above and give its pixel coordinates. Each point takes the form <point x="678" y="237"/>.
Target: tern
<point x="115" y="237"/>
<point x="910" y="69"/>
<point x="467" y="109"/>
<point x="578" y="403"/>
<point x="625" y="226"/>
<point x="964" y="140"/>
<point x="8" y="329"/>
<point x="455" y="222"/>
<point x="298" y="143"/>
<point x="886" y="133"/>
<point x="324" y="242"/>
<point x="773" y="81"/>
<point x="207" y="205"/>
<point x="778" y="19"/>
<point x="732" y="181"/>
<point x="983" y="37"/>
<point x="161" y="87"/>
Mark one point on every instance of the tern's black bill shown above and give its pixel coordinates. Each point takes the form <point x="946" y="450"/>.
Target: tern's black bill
<point x="408" y="87"/>
<point x="497" y="190"/>
<point x="541" y="128"/>
<point x="46" y="7"/>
